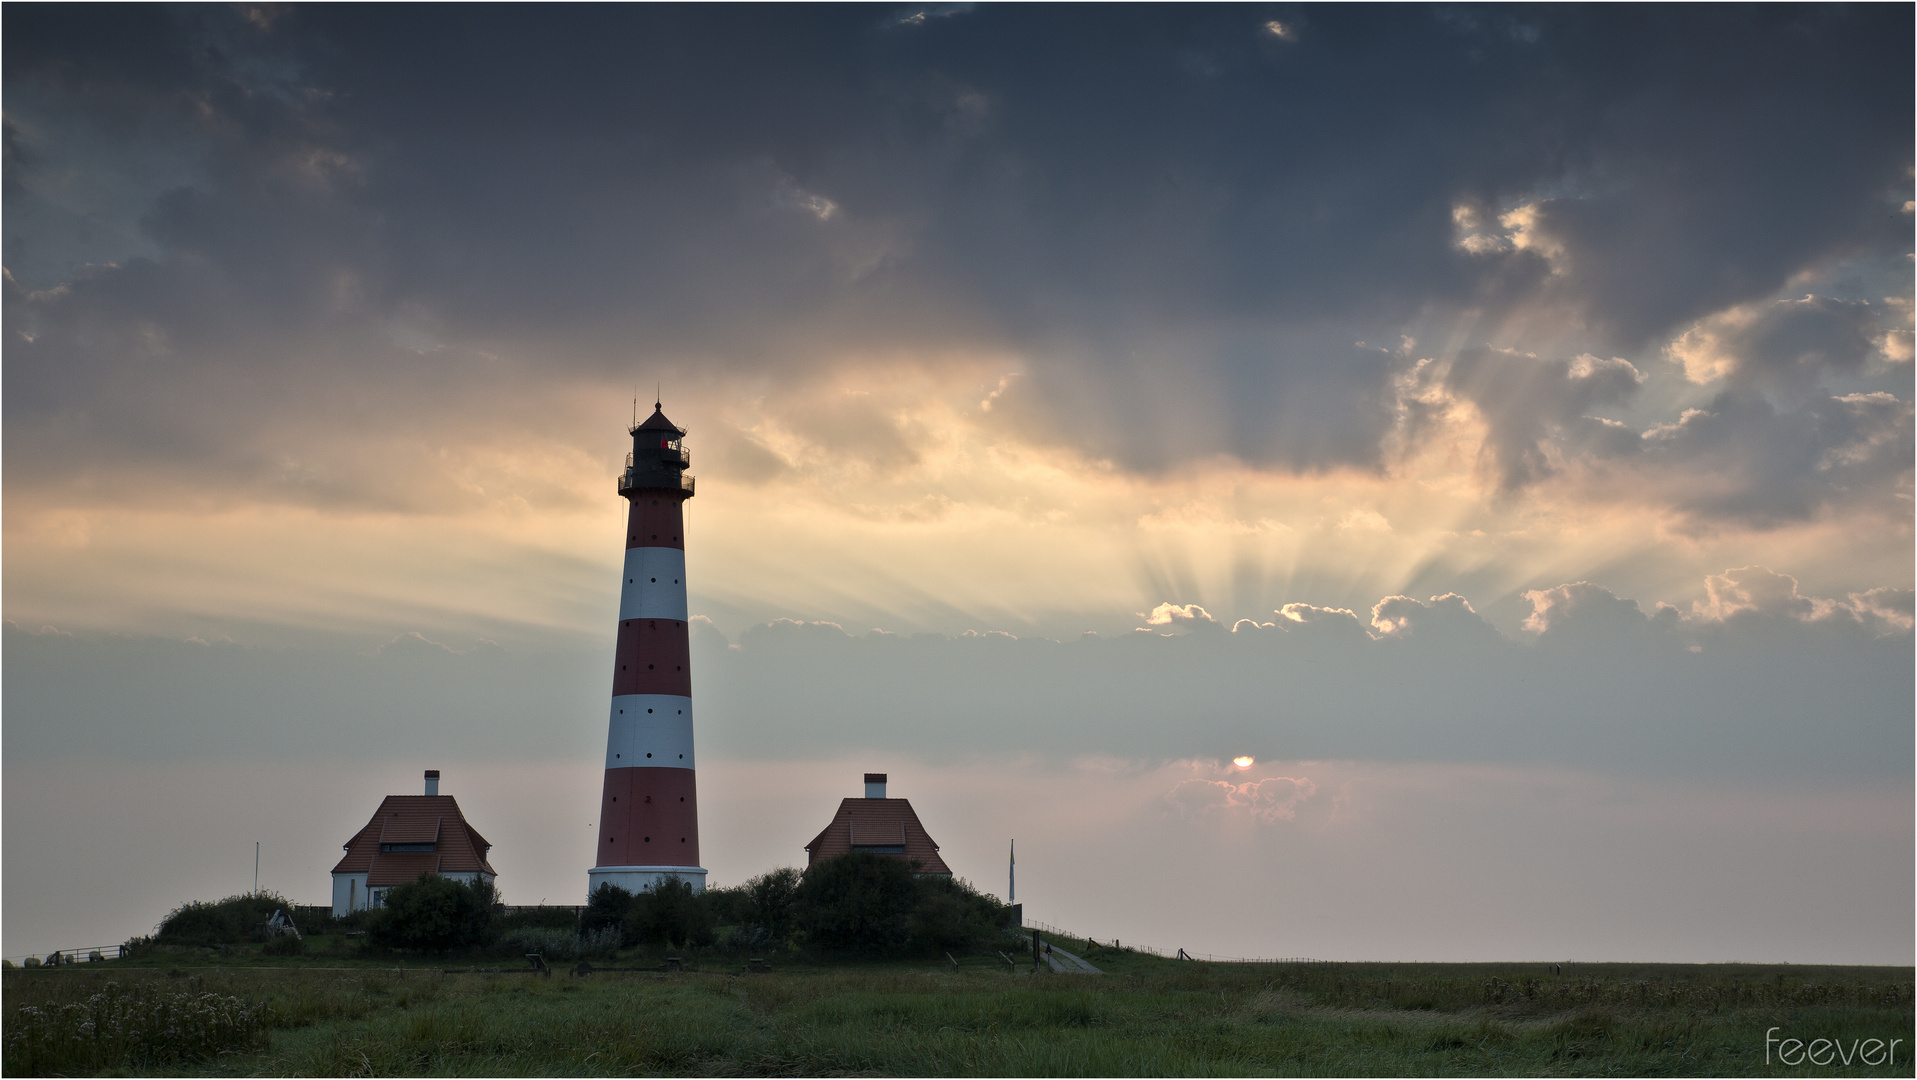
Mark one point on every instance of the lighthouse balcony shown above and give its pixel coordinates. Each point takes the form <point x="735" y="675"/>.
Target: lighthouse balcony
<point x="666" y="479"/>
<point x="664" y="455"/>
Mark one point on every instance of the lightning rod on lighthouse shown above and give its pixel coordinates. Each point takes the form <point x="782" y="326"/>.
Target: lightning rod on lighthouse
<point x="649" y="812"/>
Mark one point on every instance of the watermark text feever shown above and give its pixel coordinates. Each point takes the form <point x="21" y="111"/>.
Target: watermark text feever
<point x="1828" y="1051"/>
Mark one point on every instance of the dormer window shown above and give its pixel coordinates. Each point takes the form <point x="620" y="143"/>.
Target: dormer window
<point x="390" y="848"/>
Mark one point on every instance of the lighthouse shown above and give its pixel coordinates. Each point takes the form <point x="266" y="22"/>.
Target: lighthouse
<point x="649" y="812"/>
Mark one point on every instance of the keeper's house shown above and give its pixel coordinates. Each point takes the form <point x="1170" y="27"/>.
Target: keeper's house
<point x="881" y="826"/>
<point x="410" y="835"/>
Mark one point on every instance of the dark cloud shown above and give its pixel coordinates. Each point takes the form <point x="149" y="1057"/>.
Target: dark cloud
<point x="1522" y="399"/>
<point x="1786" y="348"/>
<point x="1172" y="216"/>
<point x="1757" y="680"/>
<point x="1742" y="460"/>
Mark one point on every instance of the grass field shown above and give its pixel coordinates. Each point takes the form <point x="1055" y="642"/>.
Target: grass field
<point x="320" y="1015"/>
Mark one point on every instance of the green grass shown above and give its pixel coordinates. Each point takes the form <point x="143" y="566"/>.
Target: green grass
<point x="1148" y="1017"/>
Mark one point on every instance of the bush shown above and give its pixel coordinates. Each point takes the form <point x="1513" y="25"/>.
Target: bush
<point x="554" y="944"/>
<point x="952" y="916"/>
<point x="871" y="903"/>
<point x="607" y="906"/>
<point x="230" y="921"/>
<point x="434" y="914"/>
<point x="770" y="903"/>
<point x="669" y="913"/>
<point x="859" y="902"/>
<point x="727" y="907"/>
<point x="31" y="961"/>
<point x="550" y="917"/>
<point x="285" y="945"/>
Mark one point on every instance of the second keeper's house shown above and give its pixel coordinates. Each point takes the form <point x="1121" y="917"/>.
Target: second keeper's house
<point x="409" y="835"/>
<point x="881" y="826"/>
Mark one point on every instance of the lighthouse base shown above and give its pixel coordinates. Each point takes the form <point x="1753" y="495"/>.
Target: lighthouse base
<point x="638" y="879"/>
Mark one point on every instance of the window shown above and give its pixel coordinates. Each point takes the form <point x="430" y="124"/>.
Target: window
<point x="881" y="849"/>
<point x="388" y="848"/>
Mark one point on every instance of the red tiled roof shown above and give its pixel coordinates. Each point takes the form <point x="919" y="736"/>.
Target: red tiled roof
<point x="400" y="867"/>
<point x="878" y="823"/>
<point x="415" y="819"/>
<point x="408" y="830"/>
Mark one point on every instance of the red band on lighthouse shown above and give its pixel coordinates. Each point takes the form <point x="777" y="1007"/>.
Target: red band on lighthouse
<point x="649" y="810"/>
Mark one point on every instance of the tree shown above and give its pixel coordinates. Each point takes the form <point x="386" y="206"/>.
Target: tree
<point x="669" y="913"/>
<point x="951" y="915"/>
<point x="608" y="906"/>
<point x="858" y="902"/>
<point x="770" y="900"/>
<point x="435" y="914"/>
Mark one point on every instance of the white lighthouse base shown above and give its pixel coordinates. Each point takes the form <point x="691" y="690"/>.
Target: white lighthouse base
<point x="638" y="879"/>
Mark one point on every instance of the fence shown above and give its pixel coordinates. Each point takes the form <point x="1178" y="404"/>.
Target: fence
<point x="315" y="916"/>
<point x="82" y="955"/>
<point x="1177" y="954"/>
<point x="1068" y="936"/>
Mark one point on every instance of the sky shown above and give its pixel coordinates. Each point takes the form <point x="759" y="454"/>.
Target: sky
<point x="1493" y="422"/>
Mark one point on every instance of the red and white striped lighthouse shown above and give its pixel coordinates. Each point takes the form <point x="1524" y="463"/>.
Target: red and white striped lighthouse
<point x="649" y="813"/>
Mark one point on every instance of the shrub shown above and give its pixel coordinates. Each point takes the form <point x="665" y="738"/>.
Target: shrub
<point x="858" y="902"/>
<point x="434" y="914"/>
<point x="669" y="913"/>
<point x="285" y="945"/>
<point x="770" y="901"/>
<point x="727" y="907"/>
<point x="556" y="944"/>
<point x="551" y="917"/>
<point x="951" y="915"/>
<point x="230" y="921"/>
<point x="31" y="961"/>
<point x="607" y="906"/>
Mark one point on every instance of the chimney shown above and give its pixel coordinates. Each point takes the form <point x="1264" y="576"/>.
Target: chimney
<point x="432" y="781"/>
<point x="875" y="785"/>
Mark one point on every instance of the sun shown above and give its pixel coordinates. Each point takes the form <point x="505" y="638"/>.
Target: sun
<point x="1243" y="761"/>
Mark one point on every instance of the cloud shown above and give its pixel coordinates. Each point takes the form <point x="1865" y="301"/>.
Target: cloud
<point x="1449" y="618"/>
<point x="1890" y="608"/>
<point x="1521" y="399"/>
<point x="1583" y="610"/>
<point x="792" y="195"/>
<point x="1186" y="615"/>
<point x="1274" y="798"/>
<point x="1330" y="627"/>
<point x="1785" y="347"/>
<point x="1722" y="689"/>
<point x="321" y="180"/>
<point x="1739" y="459"/>
<point x="1589" y="614"/>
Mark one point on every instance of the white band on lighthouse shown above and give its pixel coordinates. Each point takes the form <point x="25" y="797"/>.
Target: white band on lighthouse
<point x="638" y="879"/>
<point x="655" y="584"/>
<point x="650" y="731"/>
